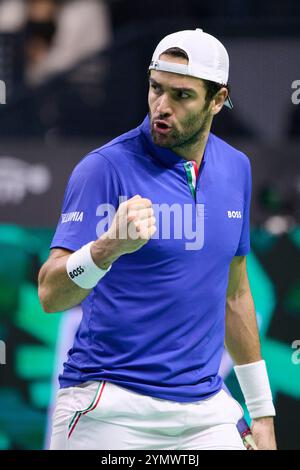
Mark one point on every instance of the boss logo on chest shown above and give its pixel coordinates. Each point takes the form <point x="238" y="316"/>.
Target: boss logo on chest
<point x="234" y="214"/>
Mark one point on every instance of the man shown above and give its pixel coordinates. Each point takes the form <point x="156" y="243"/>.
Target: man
<point x="143" y="371"/>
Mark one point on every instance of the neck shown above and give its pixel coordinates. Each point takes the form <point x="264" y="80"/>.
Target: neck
<point x="194" y="150"/>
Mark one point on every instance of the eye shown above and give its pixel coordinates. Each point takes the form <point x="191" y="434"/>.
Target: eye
<point x="183" y="95"/>
<point x="156" y="88"/>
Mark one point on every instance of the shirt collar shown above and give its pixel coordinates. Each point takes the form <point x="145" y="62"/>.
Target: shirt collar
<point x="166" y="156"/>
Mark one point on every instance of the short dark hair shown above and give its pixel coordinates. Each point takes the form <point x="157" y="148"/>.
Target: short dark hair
<point x="212" y="88"/>
<point x="176" y="52"/>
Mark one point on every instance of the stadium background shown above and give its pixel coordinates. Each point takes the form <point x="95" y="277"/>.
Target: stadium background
<point x="49" y="123"/>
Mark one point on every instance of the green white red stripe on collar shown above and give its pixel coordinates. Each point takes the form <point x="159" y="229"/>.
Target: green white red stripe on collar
<point x="192" y="172"/>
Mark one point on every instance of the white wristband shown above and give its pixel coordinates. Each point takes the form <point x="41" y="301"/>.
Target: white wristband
<point x="82" y="270"/>
<point x="254" y="382"/>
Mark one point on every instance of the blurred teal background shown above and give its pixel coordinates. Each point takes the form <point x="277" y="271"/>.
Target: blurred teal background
<point x="30" y="338"/>
<point x="30" y="335"/>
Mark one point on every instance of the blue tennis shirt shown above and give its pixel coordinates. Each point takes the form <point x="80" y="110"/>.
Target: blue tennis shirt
<point x="155" y="323"/>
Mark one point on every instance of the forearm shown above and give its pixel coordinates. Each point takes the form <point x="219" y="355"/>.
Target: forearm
<point x="57" y="291"/>
<point x="242" y="337"/>
<point x="242" y="342"/>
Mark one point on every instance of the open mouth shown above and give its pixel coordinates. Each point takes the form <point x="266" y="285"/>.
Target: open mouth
<point x="161" y="127"/>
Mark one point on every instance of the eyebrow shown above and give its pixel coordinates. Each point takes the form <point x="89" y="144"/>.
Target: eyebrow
<point x="180" y="88"/>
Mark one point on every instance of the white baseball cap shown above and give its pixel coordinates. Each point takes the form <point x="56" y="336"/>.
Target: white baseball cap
<point x="208" y="58"/>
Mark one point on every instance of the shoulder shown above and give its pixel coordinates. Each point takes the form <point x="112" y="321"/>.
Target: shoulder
<point x="110" y="156"/>
<point x="229" y="153"/>
<point x="126" y="141"/>
<point x="120" y="148"/>
<point x="232" y="163"/>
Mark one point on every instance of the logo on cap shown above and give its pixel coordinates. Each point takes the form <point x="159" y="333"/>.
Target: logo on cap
<point x="154" y="64"/>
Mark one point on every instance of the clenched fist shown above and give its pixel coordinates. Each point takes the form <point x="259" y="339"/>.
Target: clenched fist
<point x="131" y="228"/>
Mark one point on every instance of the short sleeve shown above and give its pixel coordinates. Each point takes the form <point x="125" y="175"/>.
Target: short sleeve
<point x="90" y="202"/>
<point x="244" y="243"/>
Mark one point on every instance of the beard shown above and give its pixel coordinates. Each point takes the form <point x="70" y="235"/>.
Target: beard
<point x="193" y="130"/>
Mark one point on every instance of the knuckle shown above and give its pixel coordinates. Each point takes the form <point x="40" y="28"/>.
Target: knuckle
<point x="124" y="203"/>
<point x="147" y="202"/>
<point x="131" y="215"/>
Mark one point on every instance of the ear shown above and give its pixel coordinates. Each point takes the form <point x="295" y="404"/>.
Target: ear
<point x="218" y="101"/>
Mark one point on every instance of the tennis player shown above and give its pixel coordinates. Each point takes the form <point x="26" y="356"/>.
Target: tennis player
<point x="160" y="294"/>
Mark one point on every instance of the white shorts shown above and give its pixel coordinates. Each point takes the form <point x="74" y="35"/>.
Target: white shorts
<point x="104" y="416"/>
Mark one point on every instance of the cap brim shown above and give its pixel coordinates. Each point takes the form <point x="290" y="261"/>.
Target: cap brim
<point x="228" y="102"/>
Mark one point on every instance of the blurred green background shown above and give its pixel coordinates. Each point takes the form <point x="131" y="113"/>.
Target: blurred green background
<point x="30" y="335"/>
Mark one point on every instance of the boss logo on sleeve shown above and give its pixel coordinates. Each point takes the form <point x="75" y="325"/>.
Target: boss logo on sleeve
<point x="76" y="272"/>
<point x="234" y="214"/>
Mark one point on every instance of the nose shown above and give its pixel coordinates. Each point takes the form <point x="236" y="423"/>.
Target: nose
<point x="163" y="108"/>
